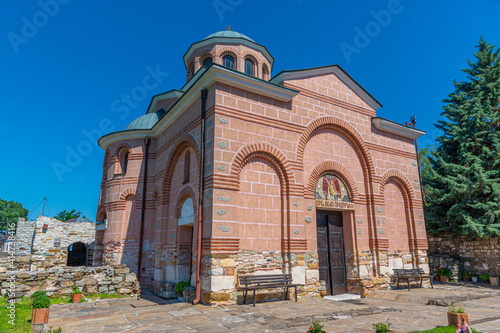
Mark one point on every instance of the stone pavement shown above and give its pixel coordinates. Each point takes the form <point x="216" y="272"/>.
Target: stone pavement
<point x="407" y="310"/>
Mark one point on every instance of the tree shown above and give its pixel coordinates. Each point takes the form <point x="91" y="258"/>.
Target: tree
<point x="9" y="212"/>
<point x="464" y="183"/>
<point x="64" y="215"/>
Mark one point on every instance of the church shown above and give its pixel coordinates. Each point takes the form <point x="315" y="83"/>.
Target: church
<point x="239" y="172"/>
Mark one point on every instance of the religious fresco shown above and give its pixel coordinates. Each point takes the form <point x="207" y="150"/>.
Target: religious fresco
<point x="330" y="187"/>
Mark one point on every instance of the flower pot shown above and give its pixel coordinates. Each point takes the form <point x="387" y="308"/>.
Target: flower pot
<point x="456" y="318"/>
<point x="39" y="316"/>
<point x="494" y="280"/>
<point x="474" y="279"/>
<point x="77" y="298"/>
<point x="466" y="277"/>
<point x="444" y="278"/>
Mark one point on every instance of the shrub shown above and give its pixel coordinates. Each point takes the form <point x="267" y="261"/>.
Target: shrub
<point x="485" y="277"/>
<point x="467" y="274"/>
<point x="76" y="291"/>
<point x="454" y="309"/>
<point x="38" y="293"/>
<point x="315" y="328"/>
<point x="382" y="327"/>
<point x="444" y="271"/>
<point x="179" y="287"/>
<point x="41" y="302"/>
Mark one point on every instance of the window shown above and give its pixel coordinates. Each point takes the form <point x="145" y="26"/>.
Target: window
<point x="265" y="72"/>
<point x="228" y="61"/>
<point x="249" y="67"/>
<point x="122" y="162"/>
<point x="187" y="166"/>
<point x="207" y="62"/>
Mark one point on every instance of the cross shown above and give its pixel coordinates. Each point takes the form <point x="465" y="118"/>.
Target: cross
<point x="229" y="28"/>
<point x="79" y="213"/>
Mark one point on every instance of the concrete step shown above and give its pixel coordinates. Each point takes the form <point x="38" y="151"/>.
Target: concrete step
<point x="342" y="297"/>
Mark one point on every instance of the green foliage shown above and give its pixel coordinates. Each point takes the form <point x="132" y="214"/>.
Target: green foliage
<point x="443" y="329"/>
<point x="179" y="287"/>
<point x="485" y="277"/>
<point x="57" y="330"/>
<point x="76" y="291"/>
<point x="454" y="309"/>
<point x="64" y="215"/>
<point x="467" y="274"/>
<point x="22" y="324"/>
<point x="382" y="327"/>
<point x="38" y="293"/>
<point x="315" y="328"/>
<point x="9" y="212"/>
<point x="444" y="271"/>
<point x="463" y="182"/>
<point x="41" y="302"/>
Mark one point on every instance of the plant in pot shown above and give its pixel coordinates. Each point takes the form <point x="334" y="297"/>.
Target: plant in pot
<point x="316" y="328"/>
<point x="444" y="274"/>
<point x="40" y="314"/>
<point x="36" y="294"/>
<point x="76" y="294"/>
<point x="474" y="277"/>
<point x="466" y="276"/>
<point x="179" y="287"/>
<point x="455" y="316"/>
<point x="382" y="327"/>
<point x="485" y="277"/>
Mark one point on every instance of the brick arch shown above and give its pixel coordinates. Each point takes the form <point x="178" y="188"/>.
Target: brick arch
<point x="120" y="147"/>
<point x="335" y="167"/>
<point x="345" y="128"/>
<point x="181" y="144"/>
<point x="228" y="49"/>
<point x="209" y="52"/>
<point x="130" y="191"/>
<point x="252" y="55"/>
<point x="100" y="210"/>
<point x="402" y="181"/>
<point x="267" y="152"/>
<point x="186" y="192"/>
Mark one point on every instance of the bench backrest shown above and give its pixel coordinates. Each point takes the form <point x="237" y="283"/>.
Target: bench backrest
<point x="412" y="271"/>
<point x="272" y="279"/>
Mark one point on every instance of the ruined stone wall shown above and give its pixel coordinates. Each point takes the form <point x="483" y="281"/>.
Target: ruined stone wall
<point x="475" y="256"/>
<point x="105" y="279"/>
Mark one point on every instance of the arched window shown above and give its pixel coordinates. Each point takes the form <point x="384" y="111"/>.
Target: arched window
<point x="191" y="70"/>
<point x="228" y="61"/>
<point x="187" y="166"/>
<point x="249" y="67"/>
<point x="122" y="162"/>
<point x="265" y="72"/>
<point x="207" y="62"/>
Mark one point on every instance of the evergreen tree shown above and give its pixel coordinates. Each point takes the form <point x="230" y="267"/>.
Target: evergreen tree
<point x="9" y="212"/>
<point x="464" y="190"/>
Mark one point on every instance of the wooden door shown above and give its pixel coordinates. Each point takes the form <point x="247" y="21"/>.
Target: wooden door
<point x="331" y="256"/>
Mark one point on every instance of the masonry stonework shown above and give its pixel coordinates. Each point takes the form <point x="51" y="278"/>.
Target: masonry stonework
<point x="268" y="142"/>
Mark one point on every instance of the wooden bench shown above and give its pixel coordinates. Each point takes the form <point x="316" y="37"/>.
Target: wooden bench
<point x="407" y="274"/>
<point x="254" y="282"/>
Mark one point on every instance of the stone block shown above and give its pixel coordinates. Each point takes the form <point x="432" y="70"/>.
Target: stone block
<point x="67" y="284"/>
<point x="216" y="271"/>
<point x="88" y="289"/>
<point x="227" y="263"/>
<point x="122" y="270"/>
<point x="299" y="275"/>
<point x="117" y="279"/>
<point x="124" y="291"/>
<point x="130" y="277"/>
<point x="312" y="274"/>
<point x="103" y="282"/>
<point x="90" y="281"/>
<point x="78" y="275"/>
<point x="103" y="289"/>
<point x="65" y="291"/>
<point x="23" y="275"/>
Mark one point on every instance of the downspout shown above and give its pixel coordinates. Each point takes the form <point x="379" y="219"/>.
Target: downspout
<point x="197" y="299"/>
<point x="141" y="235"/>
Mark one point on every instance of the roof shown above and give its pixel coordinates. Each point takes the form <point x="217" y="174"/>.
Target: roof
<point x="146" y="121"/>
<point x="229" y="34"/>
<point x="79" y="219"/>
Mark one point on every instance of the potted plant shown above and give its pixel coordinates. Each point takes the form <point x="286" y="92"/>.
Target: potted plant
<point x="494" y="281"/>
<point x="179" y="287"/>
<point x="76" y="294"/>
<point x="383" y="327"/>
<point x="455" y="316"/>
<point x="36" y="294"/>
<point x="316" y="328"/>
<point x="485" y="277"/>
<point x="444" y="274"/>
<point x="40" y="314"/>
<point x="466" y="276"/>
<point x="474" y="277"/>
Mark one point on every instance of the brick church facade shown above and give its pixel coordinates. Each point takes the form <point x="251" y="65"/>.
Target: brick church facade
<point x="300" y="176"/>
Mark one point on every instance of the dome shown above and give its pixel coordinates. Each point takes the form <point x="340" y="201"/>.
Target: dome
<point x="79" y="219"/>
<point x="146" y="121"/>
<point x="229" y="34"/>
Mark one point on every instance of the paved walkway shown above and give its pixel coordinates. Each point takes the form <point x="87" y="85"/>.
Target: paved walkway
<point x="407" y="310"/>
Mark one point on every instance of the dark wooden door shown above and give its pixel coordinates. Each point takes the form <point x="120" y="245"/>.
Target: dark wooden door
<point x="331" y="255"/>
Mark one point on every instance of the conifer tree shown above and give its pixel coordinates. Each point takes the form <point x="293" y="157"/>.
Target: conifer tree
<point x="463" y="194"/>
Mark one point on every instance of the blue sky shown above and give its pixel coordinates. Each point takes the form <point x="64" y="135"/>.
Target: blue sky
<point x="67" y="62"/>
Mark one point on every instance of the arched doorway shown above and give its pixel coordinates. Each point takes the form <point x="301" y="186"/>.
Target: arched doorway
<point x="77" y="254"/>
<point x="332" y="197"/>
<point x="186" y="234"/>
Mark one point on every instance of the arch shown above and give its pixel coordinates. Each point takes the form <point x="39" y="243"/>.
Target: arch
<point x="268" y="152"/>
<point x="330" y="166"/>
<point x="250" y="54"/>
<point x="265" y="72"/>
<point x="402" y="181"/>
<point x="101" y="211"/>
<point x="183" y="142"/>
<point x="130" y="191"/>
<point x="77" y="254"/>
<point x="227" y="49"/>
<point x="121" y="146"/>
<point x="250" y="66"/>
<point x="349" y="131"/>
<point x="186" y="192"/>
<point x="229" y="61"/>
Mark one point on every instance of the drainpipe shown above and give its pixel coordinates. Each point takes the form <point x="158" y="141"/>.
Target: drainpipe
<point x="197" y="299"/>
<point x="141" y="235"/>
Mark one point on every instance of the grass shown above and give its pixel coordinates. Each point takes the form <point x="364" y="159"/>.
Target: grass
<point x="23" y="311"/>
<point x="443" y="329"/>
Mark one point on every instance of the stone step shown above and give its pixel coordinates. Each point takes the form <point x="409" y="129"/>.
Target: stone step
<point x="342" y="297"/>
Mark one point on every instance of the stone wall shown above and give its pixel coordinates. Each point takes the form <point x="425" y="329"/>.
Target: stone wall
<point x="475" y="256"/>
<point x="105" y="279"/>
<point x="50" y="245"/>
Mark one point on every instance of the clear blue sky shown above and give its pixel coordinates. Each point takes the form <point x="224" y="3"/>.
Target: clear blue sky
<point x="62" y="72"/>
